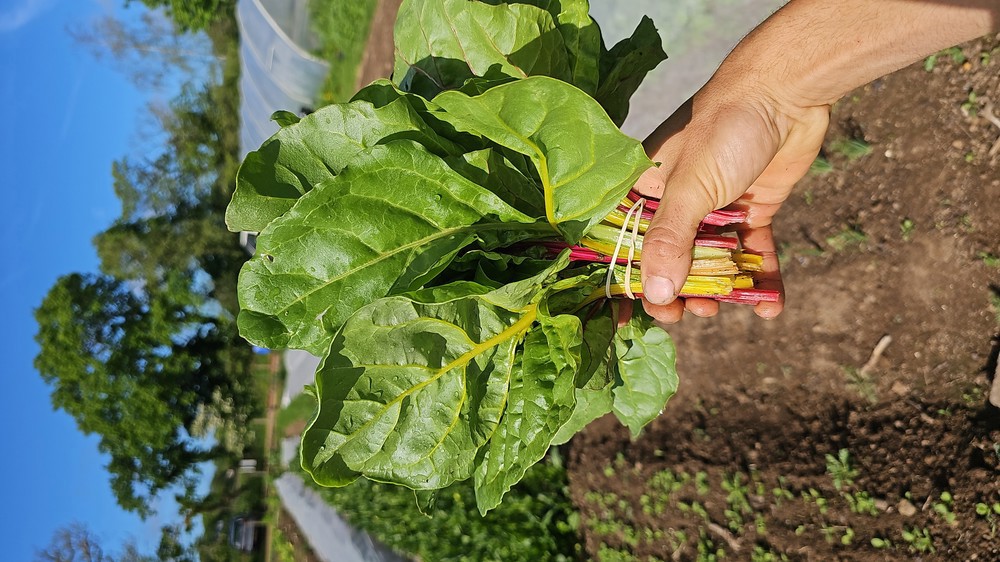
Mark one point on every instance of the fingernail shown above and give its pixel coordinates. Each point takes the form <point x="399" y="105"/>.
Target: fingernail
<point x="658" y="290"/>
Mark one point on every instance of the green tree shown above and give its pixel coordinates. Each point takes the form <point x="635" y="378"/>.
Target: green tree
<point x="172" y="547"/>
<point x="140" y="369"/>
<point x="150" y="50"/>
<point x="173" y="204"/>
<point x="192" y="15"/>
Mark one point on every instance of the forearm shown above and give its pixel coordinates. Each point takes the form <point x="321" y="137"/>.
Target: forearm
<point x="812" y="52"/>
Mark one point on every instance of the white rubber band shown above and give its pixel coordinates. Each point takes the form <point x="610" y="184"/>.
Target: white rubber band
<point x="618" y="247"/>
<point x="631" y="249"/>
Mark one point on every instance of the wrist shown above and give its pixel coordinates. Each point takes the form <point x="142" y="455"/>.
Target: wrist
<point x="812" y="52"/>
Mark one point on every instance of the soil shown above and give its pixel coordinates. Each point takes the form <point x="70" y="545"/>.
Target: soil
<point x="904" y="242"/>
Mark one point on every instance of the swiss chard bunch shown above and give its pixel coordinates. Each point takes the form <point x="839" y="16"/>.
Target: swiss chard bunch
<point x="438" y="241"/>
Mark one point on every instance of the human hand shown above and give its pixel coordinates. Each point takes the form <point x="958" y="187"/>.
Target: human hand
<point x="753" y="130"/>
<point x="732" y="145"/>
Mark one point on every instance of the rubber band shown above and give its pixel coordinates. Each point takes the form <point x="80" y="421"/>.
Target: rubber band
<point x="618" y="247"/>
<point x="631" y="250"/>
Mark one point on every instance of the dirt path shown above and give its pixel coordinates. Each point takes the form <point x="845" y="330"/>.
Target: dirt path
<point x="378" y="56"/>
<point x="271" y="417"/>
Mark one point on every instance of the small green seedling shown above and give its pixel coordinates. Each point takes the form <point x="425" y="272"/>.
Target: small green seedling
<point x="989" y="259"/>
<point x="848" y="237"/>
<point x="881" y="543"/>
<point x="944" y="508"/>
<point x="761" y="554"/>
<point x="970" y="106"/>
<point x="781" y="492"/>
<point x="701" y="483"/>
<point x="852" y="149"/>
<point x="861" y="503"/>
<point x="848" y="537"/>
<point x="919" y="540"/>
<point x="956" y="54"/>
<point x="813" y="496"/>
<point x="839" y="468"/>
<point x="820" y="167"/>
<point x="906" y="227"/>
<point x="991" y="513"/>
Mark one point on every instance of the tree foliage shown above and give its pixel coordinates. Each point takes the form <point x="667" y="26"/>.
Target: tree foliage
<point x="192" y="15"/>
<point x="149" y="50"/>
<point x="145" y="355"/>
<point x="139" y="367"/>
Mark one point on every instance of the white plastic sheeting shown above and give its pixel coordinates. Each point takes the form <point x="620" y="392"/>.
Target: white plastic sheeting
<point x="332" y="539"/>
<point x="277" y="72"/>
<point x="697" y="35"/>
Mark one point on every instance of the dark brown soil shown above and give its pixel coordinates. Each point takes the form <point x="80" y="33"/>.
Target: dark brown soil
<point x="901" y="242"/>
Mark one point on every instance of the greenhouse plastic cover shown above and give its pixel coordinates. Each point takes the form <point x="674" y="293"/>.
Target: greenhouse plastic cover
<point x="277" y="70"/>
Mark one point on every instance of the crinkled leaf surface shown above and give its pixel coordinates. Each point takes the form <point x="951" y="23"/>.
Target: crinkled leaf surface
<point x="581" y="38"/>
<point x="411" y="390"/>
<point x="539" y="402"/>
<point x="492" y="170"/>
<point x="385" y="225"/>
<point x="303" y="154"/>
<point x="381" y="93"/>
<point x="646" y="365"/>
<point x="593" y="379"/>
<point x="442" y="43"/>
<point x="624" y="67"/>
<point x="285" y="118"/>
<point x="495" y="269"/>
<point x="585" y="163"/>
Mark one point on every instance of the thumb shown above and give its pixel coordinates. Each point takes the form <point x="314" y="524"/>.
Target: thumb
<point x="667" y="244"/>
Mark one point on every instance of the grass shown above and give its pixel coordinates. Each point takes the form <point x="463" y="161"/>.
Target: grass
<point x="851" y="149"/>
<point x="343" y="27"/>
<point x="300" y="409"/>
<point x="820" y="166"/>
<point x="848" y="237"/>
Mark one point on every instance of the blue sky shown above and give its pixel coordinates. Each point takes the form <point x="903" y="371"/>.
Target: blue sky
<point x="67" y="117"/>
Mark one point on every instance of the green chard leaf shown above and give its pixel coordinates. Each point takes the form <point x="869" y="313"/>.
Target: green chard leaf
<point x="411" y="390"/>
<point x="624" y="67"/>
<point x="581" y="38"/>
<point x="585" y="163"/>
<point x="594" y="379"/>
<point x="495" y="269"/>
<point x="285" y="118"/>
<point x="386" y="224"/>
<point x="303" y="154"/>
<point x="646" y="364"/>
<point x="442" y="43"/>
<point x="540" y="401"/>
<point x="381" y="93"/>
<point x="491" y="169"/>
